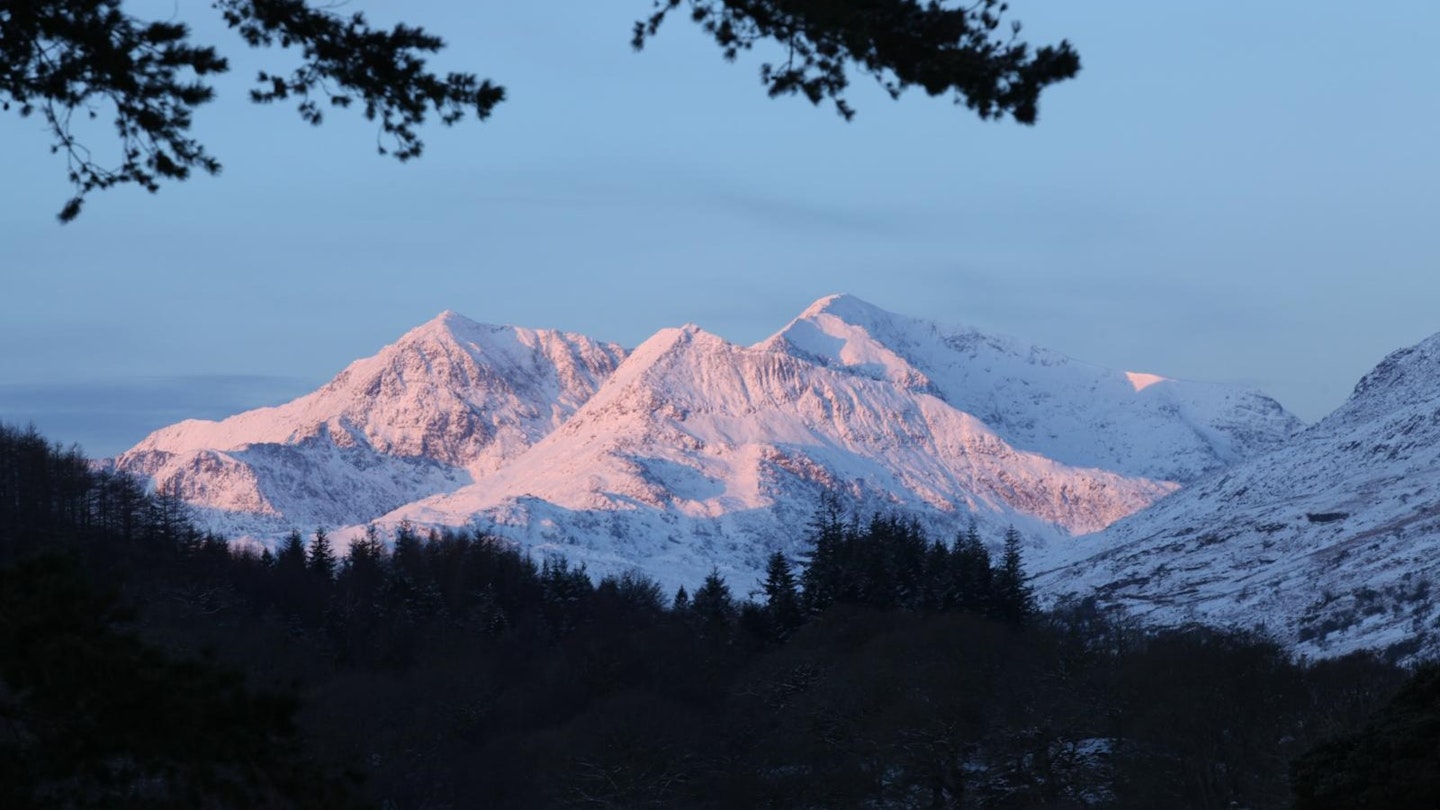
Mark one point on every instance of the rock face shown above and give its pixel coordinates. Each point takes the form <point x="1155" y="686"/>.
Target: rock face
<point x="1331" y="541"/>
<point x="693" y="452"/>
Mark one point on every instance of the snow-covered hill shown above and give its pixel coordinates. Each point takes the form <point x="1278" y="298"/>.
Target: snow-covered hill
<point x="450" y="401"/>
<point x="695" y="452"/>
<point x="1331" y="541"/>
<point x="698" y="452"/>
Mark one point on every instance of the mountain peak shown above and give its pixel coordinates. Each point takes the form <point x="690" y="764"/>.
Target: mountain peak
<point x="448" y="324"/>
<point x="1039" y="400"/>
<point x="1404" y="377"/>
<point x="846" y="307"/>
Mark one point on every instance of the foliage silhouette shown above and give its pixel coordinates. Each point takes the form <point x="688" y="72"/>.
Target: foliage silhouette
<point x="63" y="58"/>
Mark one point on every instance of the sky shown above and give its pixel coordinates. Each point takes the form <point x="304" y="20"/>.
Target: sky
<point x="1229" y="193"/>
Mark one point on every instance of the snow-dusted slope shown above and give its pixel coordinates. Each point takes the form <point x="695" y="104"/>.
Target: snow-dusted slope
<point x="1133" y="423"/>
<point x="695" y="452"/>
<point x="698" y="452"/>
<point x="1331" y="541"/>
<point x="450" y="401"/>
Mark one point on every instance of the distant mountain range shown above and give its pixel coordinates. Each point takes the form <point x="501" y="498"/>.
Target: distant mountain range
<point x="1331" y="541"/>
<point x="691" y="452"/>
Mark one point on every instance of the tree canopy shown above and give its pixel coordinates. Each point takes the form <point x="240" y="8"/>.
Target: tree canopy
<point x="63" y="58"/>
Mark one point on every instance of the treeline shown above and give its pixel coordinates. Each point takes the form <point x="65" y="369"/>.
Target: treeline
<point x="449" y="669"/>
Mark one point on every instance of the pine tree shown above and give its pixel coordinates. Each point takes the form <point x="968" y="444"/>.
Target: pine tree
<point x="409" y="555"/>
<point x="291" y="555"/>
<point x="681" y="604"/>
<point x="782" y="598"/>
<point x="713" y="606"/>
<point x="1014" y="598"/>
<point x="321" y="559"/>
<point x="363" y="571"/>
<point x="823" y="578"/>
<point x="971" y="577"/>
<point x="565" y="592"/>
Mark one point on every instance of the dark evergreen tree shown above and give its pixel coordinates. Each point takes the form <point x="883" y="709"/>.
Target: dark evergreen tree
<point x="824" y="578"/>
<point x="782" y="597"/>
<point x="971" y="573"/>
<point x="409" y="552"/>
<point x="713" y="606"/>
<point x="566" y="592"/>
<point x="363" y="572"/>
<point x="1013" y="598"/>
<point x="320" y="559"/>
<point x="291" y="554"/>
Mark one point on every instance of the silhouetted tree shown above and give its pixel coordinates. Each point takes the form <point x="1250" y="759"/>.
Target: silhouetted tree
<point x="58" y="57"/>
<point x="944" y="50"/>
<point x="320" y="558"/>
<point x="971" y="576"/>
<point x="1013" y="597"/>
<point x="782" y="597"/>
<point x="713" y="606"/>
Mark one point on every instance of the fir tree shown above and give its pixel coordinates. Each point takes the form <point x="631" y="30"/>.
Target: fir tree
<point x="409" y="554"/>
<point x="713" y="605"/>
<point x="1014" y="598"/>
<point x="971" y="575"/>
<point x="320" y="560"/>
<point x="823" y="578"/>
<point x="782" y="598"/>
<point x="291" y="556"/>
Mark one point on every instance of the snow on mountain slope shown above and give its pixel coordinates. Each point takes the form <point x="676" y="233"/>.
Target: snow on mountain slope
<point x="1332" y="541"/>
<point x="694" y="451"/>
<point x="1133" y="423"/>
<point x="449" y="401"/>
<point x="698" y="452"/>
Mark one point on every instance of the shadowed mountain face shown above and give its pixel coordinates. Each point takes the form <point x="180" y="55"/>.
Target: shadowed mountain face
<point x="692" y="452"/>
<point x="1330" y="540"/>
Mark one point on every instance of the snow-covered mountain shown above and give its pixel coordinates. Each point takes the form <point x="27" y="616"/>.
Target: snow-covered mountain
<point x="450" y="401"/>
<point x="1133" y="423"/>
<point x="693" y="452"/>
<point x="698" y="452"/>
<point x="1331" y="541"/>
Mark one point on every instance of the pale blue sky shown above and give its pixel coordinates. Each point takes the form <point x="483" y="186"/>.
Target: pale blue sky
<point x="1242" y="192"/>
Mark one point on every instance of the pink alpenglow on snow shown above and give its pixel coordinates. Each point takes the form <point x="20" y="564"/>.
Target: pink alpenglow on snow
<point x="692" y="452"/>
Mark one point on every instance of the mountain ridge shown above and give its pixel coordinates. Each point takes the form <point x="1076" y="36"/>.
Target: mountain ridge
<point x="1331" y="538"/>
<point x="705" y="442"/>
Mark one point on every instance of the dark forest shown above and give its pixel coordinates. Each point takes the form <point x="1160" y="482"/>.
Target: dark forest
<point x="144" y="662"/>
